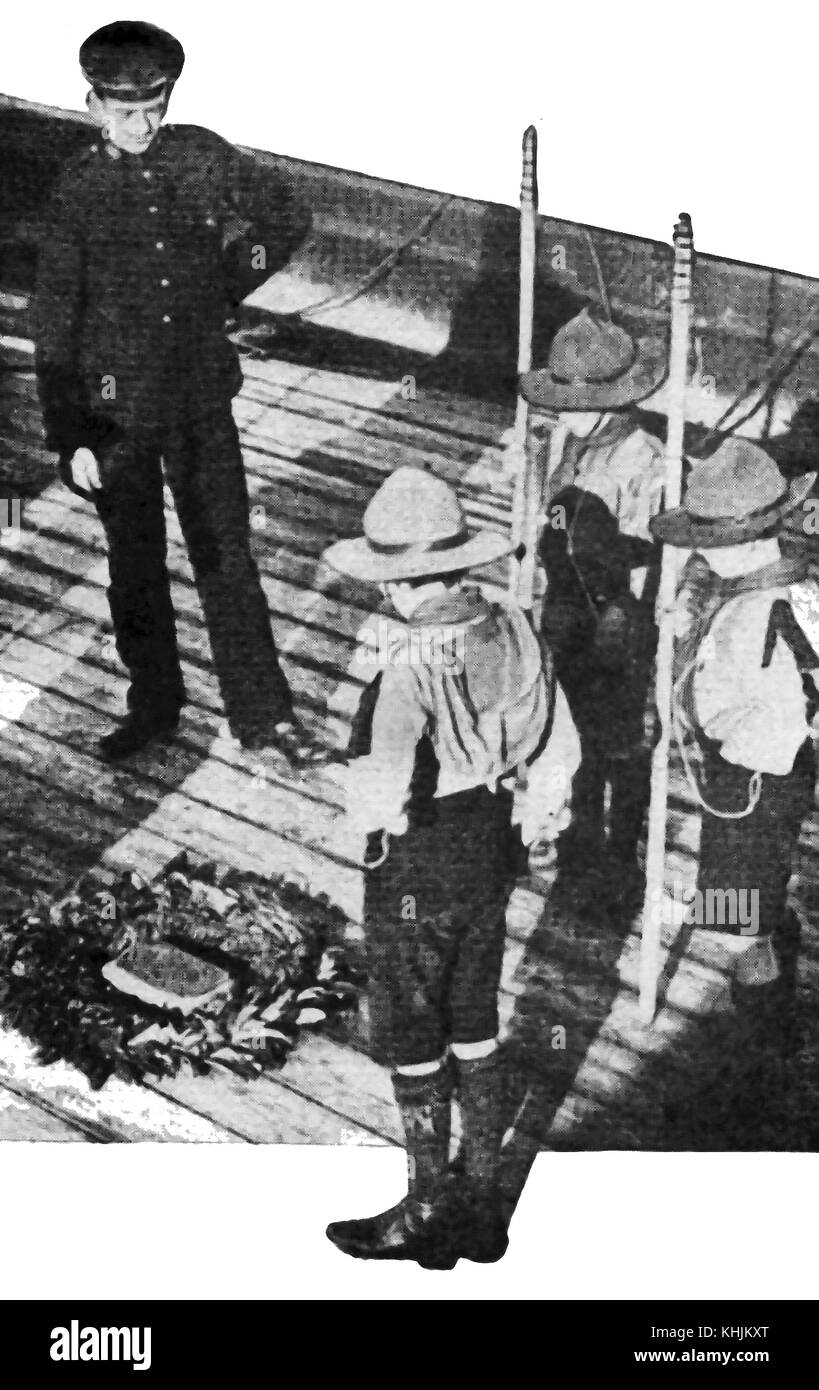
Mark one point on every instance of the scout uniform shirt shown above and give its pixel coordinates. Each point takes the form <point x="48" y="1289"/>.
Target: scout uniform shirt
<point x="480" y="700"/>
<point x="744" y="659"/>
<point x="748" y="687"/>
<point x="141" y="261"/>
<point x="624" y="466"/>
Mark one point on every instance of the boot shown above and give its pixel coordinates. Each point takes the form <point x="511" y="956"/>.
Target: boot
<point x="420" y="1227"/>
<point x="137" y="730"/>
<point x="482" y="1228"/>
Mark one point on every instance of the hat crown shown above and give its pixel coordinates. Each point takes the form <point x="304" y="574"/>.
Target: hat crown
<point x="585" y="350"/>
<point x="413" y="507"/>
<point x="740" y="478"/>
<point x="131" y="55"/>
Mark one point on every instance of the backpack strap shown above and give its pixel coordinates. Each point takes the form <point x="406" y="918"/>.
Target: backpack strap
<point x="361" y="732"/>
<point x="782" y="623"/>
<point x="550" y="680"/>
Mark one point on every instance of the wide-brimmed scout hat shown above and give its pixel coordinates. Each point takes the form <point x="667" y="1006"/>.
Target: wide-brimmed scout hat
<point x="131" y="60"/>
<point x="736" y="495"/>
<point x="595" y="366"/>
<point x="413" y="526"/>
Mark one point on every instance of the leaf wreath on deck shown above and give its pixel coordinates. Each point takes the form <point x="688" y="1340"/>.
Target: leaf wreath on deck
<point x="274" y="940"/>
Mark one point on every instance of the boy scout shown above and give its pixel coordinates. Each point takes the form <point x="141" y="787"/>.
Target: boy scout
<point x="459" y="702"/>
<point x="743" y="702"/>
<point x="146" y="252"/>
<point x="597" y="615"/>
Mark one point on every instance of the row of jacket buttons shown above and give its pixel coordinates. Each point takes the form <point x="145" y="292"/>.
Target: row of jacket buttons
<point x="160" y="245"/>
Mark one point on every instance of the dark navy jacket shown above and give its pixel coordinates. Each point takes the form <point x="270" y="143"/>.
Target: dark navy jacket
<point x="141" y="262"/>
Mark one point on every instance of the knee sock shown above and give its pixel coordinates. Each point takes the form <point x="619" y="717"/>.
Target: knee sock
<point x="425" y="1104"/>
<point x="479" y="1092"/>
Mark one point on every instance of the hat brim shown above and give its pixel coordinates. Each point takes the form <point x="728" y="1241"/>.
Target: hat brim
<point x="679" y="528"/>
<point x="646" y="374"/>
<point x="133" y="96"/>
<point x="357" y="558"/>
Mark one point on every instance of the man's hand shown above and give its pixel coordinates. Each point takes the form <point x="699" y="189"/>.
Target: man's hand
<point x="85" y="470"/>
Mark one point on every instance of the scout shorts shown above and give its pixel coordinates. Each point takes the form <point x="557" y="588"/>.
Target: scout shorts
<point x="435" y="928"/>
<point x="753" y="855"/>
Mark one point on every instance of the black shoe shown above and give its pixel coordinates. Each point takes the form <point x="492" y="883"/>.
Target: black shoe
<point x="482" y="1234"/>
<point x="408" y="1231"/>
<point x="135" y="732"/>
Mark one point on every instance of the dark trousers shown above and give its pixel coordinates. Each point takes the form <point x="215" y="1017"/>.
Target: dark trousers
<point x="205" y="472"/>
<point x="608" y="710"/>
<point x="755" y="852"/>
<point x="436" y="929"/>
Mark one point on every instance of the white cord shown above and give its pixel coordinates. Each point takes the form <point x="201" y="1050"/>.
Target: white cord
<point x="754" y="786"/>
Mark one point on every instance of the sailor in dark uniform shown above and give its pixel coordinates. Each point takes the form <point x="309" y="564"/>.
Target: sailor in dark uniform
<point x="154" y="237"/>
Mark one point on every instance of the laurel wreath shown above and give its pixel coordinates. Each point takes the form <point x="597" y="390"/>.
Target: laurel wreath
<point x="279" y="944"/>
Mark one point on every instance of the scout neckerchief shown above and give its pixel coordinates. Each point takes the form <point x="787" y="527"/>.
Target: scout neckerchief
<point x="707" y="595"/>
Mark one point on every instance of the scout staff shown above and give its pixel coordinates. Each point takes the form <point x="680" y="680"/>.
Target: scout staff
<point x="434" y="745"/>
<point x="146" y="252"/>
<point x="743" y="702"/>
<point x="597" y="616"/>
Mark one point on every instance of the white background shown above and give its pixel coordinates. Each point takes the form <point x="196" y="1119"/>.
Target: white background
<point x="642" y="110"/>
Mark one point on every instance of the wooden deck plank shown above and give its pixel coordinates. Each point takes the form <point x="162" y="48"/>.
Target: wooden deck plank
<point x="118" y="1110"/>
<point x="264" y="1111"/>
<point x="316" y="445"/>
<point x="438" y="411"/>
<point x="69" y="538"/>
<point x="374" y="443"/>
<point x="109" y="815"/>
<point x="23" y="1122"/>
<point x="308" y="660"/>
<point x="89" y="691"/>
<point x="346" y="1081"/>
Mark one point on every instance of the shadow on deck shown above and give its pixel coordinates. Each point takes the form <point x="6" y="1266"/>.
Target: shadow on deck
<point x="318" y="441"/>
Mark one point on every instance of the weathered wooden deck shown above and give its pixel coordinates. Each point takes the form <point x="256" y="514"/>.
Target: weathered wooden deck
<point x="317" y="443"/>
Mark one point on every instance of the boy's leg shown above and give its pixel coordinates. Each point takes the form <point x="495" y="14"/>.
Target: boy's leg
<point x="752" y="856"/>
<point x="480" y="1098"/>
<point x="630" y="793"/>
<point x="582" y="845"/>
<point x="420" y="1226"/>
<point x="577" y="894"/>
<point x="206" y="474"/>
<point x="410" y="957"/>
<point x="479" y="1087"/>
<point x="474" y="1002"/>
<point x="769" y="968"/>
